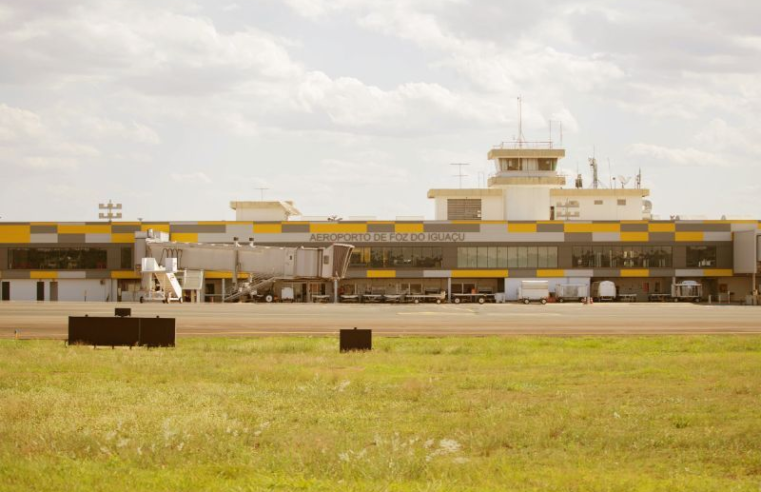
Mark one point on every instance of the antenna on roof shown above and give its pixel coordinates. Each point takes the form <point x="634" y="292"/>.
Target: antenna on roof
<point x="459" y="170"/>
<point x="520" y="122"/>
<point x="261" y="191"/>
<point x="110" y="207"/>
<point x="639" y="179"/>
<point x="595" y="176"/>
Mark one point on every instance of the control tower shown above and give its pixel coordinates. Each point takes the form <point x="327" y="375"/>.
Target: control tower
<point x="526" y="172"/>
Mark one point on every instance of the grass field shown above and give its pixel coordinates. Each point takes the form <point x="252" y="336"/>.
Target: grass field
<point x="522" y="413"/>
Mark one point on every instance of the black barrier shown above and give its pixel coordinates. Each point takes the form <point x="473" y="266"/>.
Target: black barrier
<point x="122" y="312"/>
<point x="157" y="332"/>
<point x="123" y="332"/>
<point x="356" y="340"/>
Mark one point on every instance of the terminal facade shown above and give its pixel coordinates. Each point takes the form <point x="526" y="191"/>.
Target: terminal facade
<point x="526" y="224"/>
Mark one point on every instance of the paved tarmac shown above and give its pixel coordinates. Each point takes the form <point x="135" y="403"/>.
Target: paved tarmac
<point x="49" y="320"/>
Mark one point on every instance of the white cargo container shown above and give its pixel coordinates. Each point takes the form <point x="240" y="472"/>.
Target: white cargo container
<point x="571" y="292"/>
<point x="604" y="291"/>
<point x="689" y="290"/>
<point x="534" y="290"/>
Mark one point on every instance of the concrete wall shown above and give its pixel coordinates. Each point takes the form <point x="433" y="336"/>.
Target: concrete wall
<point x="609" y="210"/>
<point x="527" y="203"/>
<point x="492" y="207"/>
<point x="68" y="290"/>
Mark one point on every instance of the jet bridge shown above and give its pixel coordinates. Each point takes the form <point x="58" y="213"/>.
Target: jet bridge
<point x="262" y="265"/>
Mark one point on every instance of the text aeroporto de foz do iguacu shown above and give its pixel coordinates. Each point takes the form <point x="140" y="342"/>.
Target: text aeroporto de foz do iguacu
<point x="379" y="237"/>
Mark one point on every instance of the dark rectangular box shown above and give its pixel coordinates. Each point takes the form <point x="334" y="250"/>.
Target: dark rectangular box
<point x="356" y="340"/>
<point x="123" y="332"/>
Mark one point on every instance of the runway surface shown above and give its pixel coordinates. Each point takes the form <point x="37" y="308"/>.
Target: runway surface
<point x="49" y="320"/>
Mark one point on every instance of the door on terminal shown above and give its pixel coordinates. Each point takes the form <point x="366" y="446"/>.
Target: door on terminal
<point x="40" y="291"/>
<point x="6" y="294"/>
<point x="53" y="291"/>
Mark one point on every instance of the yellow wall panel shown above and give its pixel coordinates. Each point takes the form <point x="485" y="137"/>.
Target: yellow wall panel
<point x="216" y="274"/>
<point x="381" y="273"/>
<point x="661" y="227"/>
<point x="519" y="227"/>
<point x="718" y="272"/>
<point x="641" y="237"/>
<point x="84" y="229"/>
<point x="635" y="272"/>
<point x="123" y="237"/>
<point x="414" y="228"/>
<point x="125" y="274"/>
<point x="155" y="227"/>
<point x="185" y="237"/>
<point x="43" y="274"/>
<point x="268" y="228"/>
<point x="575" y="227"/>
<point x="550" y="273"/>
<point x="337" y="228"/>
<point x="689" y="236"/>
<point x="14" y="234"/>
<point x="479" y="273"/>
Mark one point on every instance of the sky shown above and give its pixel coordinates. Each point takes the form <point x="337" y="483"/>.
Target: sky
<point x="358" y="107"/>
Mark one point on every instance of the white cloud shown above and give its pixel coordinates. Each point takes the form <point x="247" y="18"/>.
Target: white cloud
<point x="687" y="156"/>
<point x="195" y="177"/>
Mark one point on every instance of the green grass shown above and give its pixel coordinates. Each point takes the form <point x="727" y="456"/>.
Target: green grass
<point x="416" y="414"/>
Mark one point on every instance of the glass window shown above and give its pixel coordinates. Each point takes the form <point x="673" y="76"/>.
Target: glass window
<point x="502" y="257"/>
<point x="473" y="257"/>
<point x="552" y="257"/>
<point x="483" y="257"/>
<point x="462" y="257"/>
<point x="492" y="257"/>
<point x="522" y="257"/>
<point x="532" y="255"/>
<point x="701" y="256"/>
<point x="126" y="259"/>
<point x="58" y="258"/>
<point x="512" y="257"/>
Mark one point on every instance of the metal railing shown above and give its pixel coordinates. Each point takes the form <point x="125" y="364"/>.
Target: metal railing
<point x="524" y="145"/>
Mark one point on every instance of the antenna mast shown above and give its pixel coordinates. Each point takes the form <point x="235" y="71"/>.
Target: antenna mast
<point x="520" y="122"/>
<point x="459" y="171"/>
<point x="261" y="191"/>
<point x="595" y="179"/>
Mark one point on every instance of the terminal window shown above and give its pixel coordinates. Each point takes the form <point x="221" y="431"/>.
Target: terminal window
<point x="464" y="209"/>
<point x="396" y="257"/>
<point x="701" y="256"/>
<point x="507" y="257"/>
<point x="57" y="259"/>
<point x="635" y="256"/>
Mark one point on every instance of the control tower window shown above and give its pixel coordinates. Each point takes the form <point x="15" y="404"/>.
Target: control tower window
<point x="463" y="209"/>
<point x="509" y="164"/>
<point x="547" y="164"/>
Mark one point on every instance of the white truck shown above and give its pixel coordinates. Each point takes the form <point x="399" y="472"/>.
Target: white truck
<point x="604" y="291"/>
<point x="534" y="290"/>
<point x="571" y="292"/>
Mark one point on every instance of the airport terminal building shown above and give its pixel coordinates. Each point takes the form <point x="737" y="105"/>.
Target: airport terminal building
<point x="526" y="224"/>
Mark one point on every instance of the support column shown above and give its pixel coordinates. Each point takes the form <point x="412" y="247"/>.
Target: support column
<point x="449" y="289"/>
<point x="335" y="291"/>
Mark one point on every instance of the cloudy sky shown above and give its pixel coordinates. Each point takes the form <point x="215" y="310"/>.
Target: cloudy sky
<point x="358" y="107"/>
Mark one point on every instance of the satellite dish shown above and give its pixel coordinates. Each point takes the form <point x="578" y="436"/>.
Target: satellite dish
<point x="624" y="180"/>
